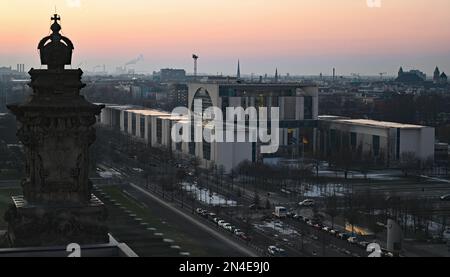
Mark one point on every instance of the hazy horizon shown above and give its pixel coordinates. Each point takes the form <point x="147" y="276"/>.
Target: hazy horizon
<point x="296" y="36"/>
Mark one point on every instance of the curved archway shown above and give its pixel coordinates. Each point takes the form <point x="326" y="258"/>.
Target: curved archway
<point x="203" y="95"/>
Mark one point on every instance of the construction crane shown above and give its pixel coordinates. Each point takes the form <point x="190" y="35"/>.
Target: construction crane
<point x="195" y="57"/>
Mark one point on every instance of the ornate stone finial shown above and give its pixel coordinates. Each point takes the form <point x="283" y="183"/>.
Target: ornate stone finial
<point x="56" y="50"/>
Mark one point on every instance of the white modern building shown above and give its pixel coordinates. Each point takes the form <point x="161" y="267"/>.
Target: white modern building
<point x="298" y="105"/>
<point x="386" y="142"/>
<point x="298" y="120"/>
<point x="154" y="127"/>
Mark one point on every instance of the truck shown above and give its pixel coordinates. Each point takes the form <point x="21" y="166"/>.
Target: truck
<point x="280" y="212"/>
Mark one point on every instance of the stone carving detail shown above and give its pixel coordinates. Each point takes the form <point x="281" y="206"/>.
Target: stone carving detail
<point x="56" y="126"/>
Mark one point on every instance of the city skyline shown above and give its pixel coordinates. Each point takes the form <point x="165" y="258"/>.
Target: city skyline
<point x="297" y="37"/>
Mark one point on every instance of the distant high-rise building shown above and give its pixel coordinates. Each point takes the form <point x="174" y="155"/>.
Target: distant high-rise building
<point x="172" y="75"/>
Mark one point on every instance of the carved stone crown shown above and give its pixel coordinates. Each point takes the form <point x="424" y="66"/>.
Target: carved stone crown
<point x="55" y="49"/>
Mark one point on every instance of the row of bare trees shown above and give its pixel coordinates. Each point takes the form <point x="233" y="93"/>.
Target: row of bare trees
<point x="367" y="208"/>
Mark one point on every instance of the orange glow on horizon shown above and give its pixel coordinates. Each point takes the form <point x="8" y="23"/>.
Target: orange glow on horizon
<point x="231" y="28"/>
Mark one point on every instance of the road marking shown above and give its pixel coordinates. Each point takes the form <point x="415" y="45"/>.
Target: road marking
<point x="436" y="179"/>
<point x="199" y="224"/>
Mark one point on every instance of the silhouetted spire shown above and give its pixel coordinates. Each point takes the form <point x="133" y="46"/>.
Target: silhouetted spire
<point x="238" y="70"/>
<point x="55" y="49"/>
<point x="436" y="74"/>
<point x="276" y="75"/>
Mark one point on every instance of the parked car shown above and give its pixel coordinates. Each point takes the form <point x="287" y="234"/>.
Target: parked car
<point x="204" y="213"/>
<point x="307" y="203"/>
<point x="352" y="240"/>
<point x="333" y="232"/>
<point x="231" y="228"/>
<point x="272" y="250"/>
<point x="298" y="217"/>
<point x="245" y="237"/>
<point x="276" y="251"/>
<point x="326" y="229"/>
<point x="220" y="222"/>
<point x="227" y="226"/>
<point x="317" y="226"/>
<point x="199" y="211"/>
<point x="211" y="215"/>
<point x="445" y="197"/>
<point x="281" y="252"/>
<point x="343" y="236"/>
<point x="446" y="234"/>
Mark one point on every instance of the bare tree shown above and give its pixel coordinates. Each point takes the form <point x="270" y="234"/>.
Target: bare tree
<point x="331" y="208"/>
<point x="409" y="163"/>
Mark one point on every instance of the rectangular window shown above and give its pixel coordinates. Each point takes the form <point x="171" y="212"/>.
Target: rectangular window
<point x="206" y="150"/>
<point x="116" y="119"/>
<point x="192" y="148"/>
<point x="125" y="121"/>
<point x="159" y="130"/>
<point x="149" y="132"/>
<point x="308" y="105"/>
<point x="133" y="124"/>
<point x="142" y="127"/>
<point x="353" y="140"/>
<point x="275" y="101"/>
<point x="376" y="145"/>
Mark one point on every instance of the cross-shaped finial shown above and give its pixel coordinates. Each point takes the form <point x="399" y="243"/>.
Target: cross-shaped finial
<point x="56" y="18"/>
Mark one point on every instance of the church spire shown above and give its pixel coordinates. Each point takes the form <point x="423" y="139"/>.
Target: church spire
<point x="238" y="75"/>
<point x="276" y="75"/>
<point x="436" y="75"/>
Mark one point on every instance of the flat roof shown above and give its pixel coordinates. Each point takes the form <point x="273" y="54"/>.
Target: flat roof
<point x="259" y="85"/>
<point x="149" y="112"/>
<point x="371" y="123"/>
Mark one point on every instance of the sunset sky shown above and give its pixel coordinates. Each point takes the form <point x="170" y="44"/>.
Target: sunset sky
<point x="297" y="36"/>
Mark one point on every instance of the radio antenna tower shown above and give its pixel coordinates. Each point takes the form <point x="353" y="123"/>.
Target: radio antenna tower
<point x="195" y="57"/>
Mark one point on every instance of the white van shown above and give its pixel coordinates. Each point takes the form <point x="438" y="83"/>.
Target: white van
<point x="280" y="212"/>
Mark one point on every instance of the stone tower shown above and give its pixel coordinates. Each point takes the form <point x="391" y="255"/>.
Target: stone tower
<point x="56" y="127"/>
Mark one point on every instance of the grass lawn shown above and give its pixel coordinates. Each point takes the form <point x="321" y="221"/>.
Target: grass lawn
<point x="170" y="231"/>
<point x="5" y="201"/>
